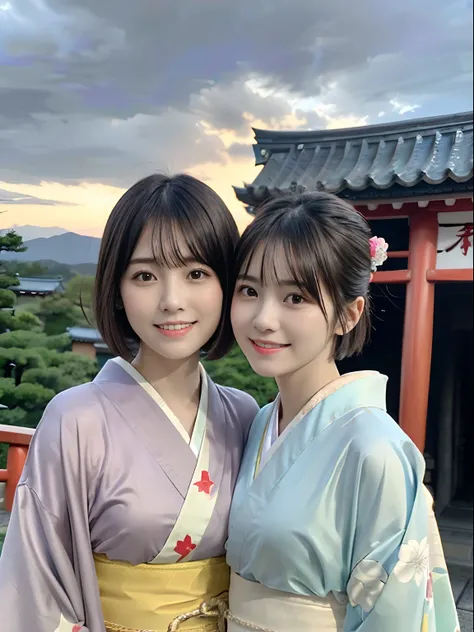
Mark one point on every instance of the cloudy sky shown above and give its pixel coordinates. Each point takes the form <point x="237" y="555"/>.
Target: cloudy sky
<point x="95" y="94"/>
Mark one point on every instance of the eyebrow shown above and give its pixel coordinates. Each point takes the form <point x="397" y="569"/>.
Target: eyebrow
<point x="253" y="279"/>
<point x="152" y="260"/>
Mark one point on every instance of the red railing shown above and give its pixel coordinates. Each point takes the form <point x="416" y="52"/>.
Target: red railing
<point x="18" y="440"/>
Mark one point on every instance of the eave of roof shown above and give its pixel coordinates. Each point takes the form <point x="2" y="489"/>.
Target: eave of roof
<point x="430" y="152"/>
<point x="379" y="130"/>
<point x="38" y="285"/>
<point x="84" y="334"/>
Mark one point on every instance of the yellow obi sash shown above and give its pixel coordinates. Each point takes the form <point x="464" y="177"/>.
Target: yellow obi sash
<point x="188" y="596"/>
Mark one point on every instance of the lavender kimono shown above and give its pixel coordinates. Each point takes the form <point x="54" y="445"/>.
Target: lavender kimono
<point x="108" y="472"/>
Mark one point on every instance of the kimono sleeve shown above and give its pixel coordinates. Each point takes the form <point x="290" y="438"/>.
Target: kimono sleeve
<point x="47" y="574"/>
<point x="394" y="584"/>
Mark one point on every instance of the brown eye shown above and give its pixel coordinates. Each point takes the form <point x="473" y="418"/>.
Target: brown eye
<point x="146" y="277"/>
<point x="296" y="299"/>
<point x="247" y="291"/>
<point x="197" y="275"/>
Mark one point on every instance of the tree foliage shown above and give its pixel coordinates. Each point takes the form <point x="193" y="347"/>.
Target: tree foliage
<point x="48" y="268"/>
<point x="36" y="361"/>
<point x="59" y="342"/>
<point x="7" y="281"/>
<point x="25" y="269"/>
<point x="7" y="298"/>
<point x="11" y="242"/>
<point x="12" y="417"/>
<point x="26" y="321"/>
<point x="80" y="290"/>
<point x="22" y="339"/>
<point x="57" y="313"/>
<point x="30" y="397"/>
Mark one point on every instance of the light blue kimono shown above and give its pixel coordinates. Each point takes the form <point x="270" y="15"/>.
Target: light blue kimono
<point x="340" y="507"/>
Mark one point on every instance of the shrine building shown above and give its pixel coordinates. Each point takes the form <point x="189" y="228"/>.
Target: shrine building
<point x="413" y="181"/>
<point x="40" y="287"/>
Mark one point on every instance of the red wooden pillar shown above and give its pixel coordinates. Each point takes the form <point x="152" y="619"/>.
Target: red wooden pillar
<point x="418" y="328"/>
<point x="16" y="457"/>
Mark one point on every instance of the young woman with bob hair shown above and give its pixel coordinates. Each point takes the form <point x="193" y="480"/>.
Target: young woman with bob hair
<point x="120" y="516"/>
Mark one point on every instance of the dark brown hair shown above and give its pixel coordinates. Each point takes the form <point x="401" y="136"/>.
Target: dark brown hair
<point x="177" y="206"/>
<point x="326" y="244"/>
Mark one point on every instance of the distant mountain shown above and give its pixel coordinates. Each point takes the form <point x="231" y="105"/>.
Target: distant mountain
<point x="34" y="232"/>
<point x="68" y="248"/>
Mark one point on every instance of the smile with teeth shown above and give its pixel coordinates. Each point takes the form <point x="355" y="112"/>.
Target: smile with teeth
<point x="267" y="348"/>
<point x="175" y="327"/>
<point x="175" y="330"/>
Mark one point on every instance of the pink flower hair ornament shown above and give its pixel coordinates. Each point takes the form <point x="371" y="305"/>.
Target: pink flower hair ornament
<point x="378" y="252"/>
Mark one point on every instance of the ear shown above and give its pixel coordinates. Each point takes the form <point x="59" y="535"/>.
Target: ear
<point x="354" y="312"/>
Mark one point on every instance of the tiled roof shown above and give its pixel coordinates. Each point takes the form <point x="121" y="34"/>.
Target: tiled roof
<point x="84" y="334"/>
<point x="419" y="155"/>
<point x="38" y="285"/>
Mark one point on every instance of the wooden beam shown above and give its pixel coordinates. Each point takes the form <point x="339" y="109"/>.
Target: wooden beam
<point x="16" y="457"/>
<point x="398" y="254"/>
<point x="18" y="439"/>
<point x="15" y="435"/>
<point x="418" y="328"/>
<point x="385" y="209"/>
<point x="392" y="277"/>
<point x="445" y="276"/>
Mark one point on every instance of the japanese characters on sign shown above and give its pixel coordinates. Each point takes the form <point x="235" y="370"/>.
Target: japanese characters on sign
<point x="455" y="240"/>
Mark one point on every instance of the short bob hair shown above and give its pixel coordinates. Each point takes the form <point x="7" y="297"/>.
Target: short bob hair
<point x="326" y="244"/>
<point x="177" y="206"/>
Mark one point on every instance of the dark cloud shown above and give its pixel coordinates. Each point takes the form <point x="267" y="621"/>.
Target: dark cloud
<point x="106" y="91"/>
<point x="240" y="150"/>
<point x="107" y="150"/>
<point x="228" y="106"/>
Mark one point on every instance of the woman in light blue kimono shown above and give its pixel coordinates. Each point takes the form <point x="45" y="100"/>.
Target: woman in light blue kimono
<point x="331" y="528"/>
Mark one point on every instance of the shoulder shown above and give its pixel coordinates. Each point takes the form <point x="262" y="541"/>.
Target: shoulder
<point x="241" y="404"/>
<point x="73" y="398"/>
<point x="76" y="405"/>
<point x="381" y="447"/>
<point x="67" y="447"/>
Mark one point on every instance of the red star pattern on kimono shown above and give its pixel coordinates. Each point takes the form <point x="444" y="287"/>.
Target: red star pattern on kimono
<point x="184" y="547"/>
<point x="205" y="484"/>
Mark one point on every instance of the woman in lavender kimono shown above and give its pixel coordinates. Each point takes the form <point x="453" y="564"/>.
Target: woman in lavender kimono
<point x="121" y="513"/>
<point x="330" y="528"/>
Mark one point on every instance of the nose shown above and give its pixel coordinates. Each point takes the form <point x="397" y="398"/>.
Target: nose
<point x="265" y="318"/>
<point x="171" y="297"/>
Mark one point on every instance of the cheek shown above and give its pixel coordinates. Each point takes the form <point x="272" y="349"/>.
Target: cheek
<point x="210" y="297"/>
<point x="239" y="315"/>
<point x="138" y="302"/>
<point x="310" y="327"/>
<point x="128" y="296"/>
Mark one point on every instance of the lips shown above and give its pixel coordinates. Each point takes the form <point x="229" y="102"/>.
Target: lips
<point x="266" y="347"/>
<point x="174" y="326"/>
<point x="175" y="329"/>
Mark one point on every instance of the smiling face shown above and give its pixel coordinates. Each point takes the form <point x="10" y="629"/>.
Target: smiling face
<point x="279" y="327"/>
<point x="174" y="311"/>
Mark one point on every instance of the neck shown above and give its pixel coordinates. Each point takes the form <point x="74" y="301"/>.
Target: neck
<point x="297" y="388"/>
<point x="175" y="380"/>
